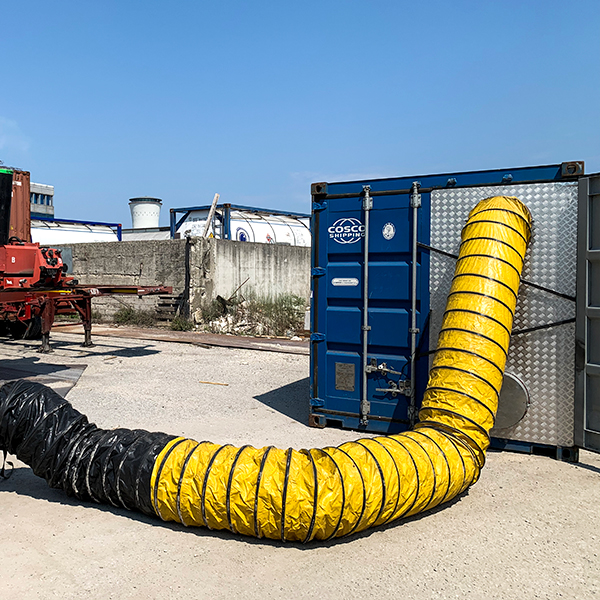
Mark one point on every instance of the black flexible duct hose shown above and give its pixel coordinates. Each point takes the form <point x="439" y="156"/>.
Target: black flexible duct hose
<point x="59" y="443"/>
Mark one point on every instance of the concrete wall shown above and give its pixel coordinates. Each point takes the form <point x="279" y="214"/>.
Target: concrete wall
<point x="129" y="263"/>
<point x="199" y="269"/>
<point x="268" y="270"/>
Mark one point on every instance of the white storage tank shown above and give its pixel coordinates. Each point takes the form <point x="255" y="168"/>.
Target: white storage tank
<point x="245" y="224"/>
<point x="145" y="212"/>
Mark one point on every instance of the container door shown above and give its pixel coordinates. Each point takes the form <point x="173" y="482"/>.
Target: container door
<point x="20" y="208"/>
<point x="587" y="358"/>
<point x="341" y="261"/>
<point x="6" y="178"/>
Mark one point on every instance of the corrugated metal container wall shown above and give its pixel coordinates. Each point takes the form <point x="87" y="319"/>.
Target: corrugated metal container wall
<point x="20" y="208"/>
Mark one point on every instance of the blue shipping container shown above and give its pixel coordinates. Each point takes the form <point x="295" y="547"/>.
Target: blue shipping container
<point x="375" y="235"/>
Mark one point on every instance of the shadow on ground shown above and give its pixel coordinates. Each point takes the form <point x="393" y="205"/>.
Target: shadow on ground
<point x="587" y="467"/>
<point x="96" y="350"/>
<point x="24" y="483"/>
<point x="61" y="378"/>
<point x="291" y="400"/>
<point x="30" y="366"/>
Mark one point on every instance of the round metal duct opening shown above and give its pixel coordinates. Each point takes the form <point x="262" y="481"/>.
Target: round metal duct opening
<point x="512" y="404"/>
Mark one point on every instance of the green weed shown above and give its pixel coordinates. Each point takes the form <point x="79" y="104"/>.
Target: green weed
<point x="127" y="315"/>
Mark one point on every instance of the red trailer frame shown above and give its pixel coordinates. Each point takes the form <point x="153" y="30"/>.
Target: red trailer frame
<point x="27" y="306"/>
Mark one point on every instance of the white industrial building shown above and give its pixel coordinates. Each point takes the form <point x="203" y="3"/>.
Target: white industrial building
<point x="41" y="198"/>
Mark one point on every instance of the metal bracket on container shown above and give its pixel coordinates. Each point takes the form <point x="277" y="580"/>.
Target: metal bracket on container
<point x="572" y="169"/>
<point x="317" y="337"/>
<point x="367" y="199"/>
<point x="319" y="193"/>
<point x="317" y="402"/>
<point x="402" y="387"/>
<point x="318" y="189"/>
<point x="365" y="409"/>
<point x="415" y="197"/>
<point x="318" y="272"/>
<point x="382" y="368"/>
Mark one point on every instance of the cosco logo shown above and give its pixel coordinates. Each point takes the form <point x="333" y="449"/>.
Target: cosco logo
<point x="347" y="231"/>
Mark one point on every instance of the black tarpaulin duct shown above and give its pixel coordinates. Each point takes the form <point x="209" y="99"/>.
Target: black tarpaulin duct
<point x="59" y="443"/>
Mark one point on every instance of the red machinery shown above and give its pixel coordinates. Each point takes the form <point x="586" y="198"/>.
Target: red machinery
<point x="34" y="287"/>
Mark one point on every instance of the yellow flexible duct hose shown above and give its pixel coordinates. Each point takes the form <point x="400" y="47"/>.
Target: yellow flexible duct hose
<point x="300" y="495"/>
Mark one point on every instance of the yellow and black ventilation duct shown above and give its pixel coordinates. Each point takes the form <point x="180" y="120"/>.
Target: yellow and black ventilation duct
<point x="322" y="493"/>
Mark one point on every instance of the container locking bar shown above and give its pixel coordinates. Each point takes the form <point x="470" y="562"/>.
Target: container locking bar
<point x="365" y="405"/>
<point x="402" y="387"/>
<point x="415" y="204"/>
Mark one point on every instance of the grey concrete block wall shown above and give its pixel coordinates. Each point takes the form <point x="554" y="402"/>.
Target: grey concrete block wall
<point x="145" y="262"/>
<point x="148" y="262"/>
<point x="200" y="269"/>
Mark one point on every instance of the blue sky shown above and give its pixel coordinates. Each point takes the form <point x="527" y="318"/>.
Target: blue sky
<point x="109" y="99"/>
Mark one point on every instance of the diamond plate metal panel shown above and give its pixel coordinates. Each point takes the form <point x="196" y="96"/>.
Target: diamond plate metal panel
<point x="543" y="360"/>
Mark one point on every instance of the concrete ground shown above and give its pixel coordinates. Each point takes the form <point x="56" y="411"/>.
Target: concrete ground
<point x="530" y="528"/>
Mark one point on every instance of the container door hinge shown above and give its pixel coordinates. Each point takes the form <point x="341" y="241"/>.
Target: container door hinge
<point x="317" y="402"/>
<point x="317" y="272"/>
<point x="319" y="206"/>
<point x="317" y="337"/>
